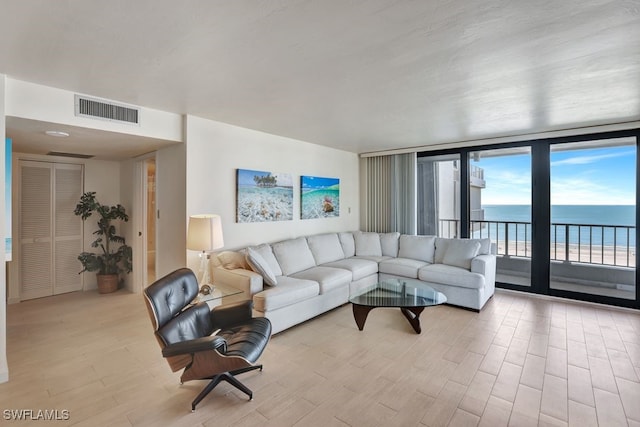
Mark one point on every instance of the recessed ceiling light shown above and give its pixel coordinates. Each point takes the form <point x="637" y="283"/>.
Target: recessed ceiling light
<point x="57" y="133"/>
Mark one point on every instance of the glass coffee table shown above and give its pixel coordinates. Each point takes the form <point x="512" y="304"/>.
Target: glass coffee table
<point x="410" y="296"/>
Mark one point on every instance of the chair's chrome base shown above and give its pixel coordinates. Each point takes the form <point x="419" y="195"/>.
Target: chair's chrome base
<point x="228" y="377"/>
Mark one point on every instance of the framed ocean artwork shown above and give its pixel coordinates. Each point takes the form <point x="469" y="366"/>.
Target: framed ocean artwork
<point x="263" y="196"/>
<point x="319" y="197"/>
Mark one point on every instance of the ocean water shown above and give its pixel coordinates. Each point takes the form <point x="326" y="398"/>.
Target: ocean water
<point x="591" y="223"/>
<point x="566" y="214"/>
<point x="320" y="203"/>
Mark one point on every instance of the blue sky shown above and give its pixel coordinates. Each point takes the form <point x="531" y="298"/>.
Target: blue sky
<point x="595" y="176"/>
<point x="245" y="177"/>
<point x="318" y="182"/>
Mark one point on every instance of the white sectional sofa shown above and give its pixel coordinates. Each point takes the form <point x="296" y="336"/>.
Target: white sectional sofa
<point x="297" y="279"/>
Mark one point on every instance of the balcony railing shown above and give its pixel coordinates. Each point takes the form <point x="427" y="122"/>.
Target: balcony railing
<point x="585" y="243"/>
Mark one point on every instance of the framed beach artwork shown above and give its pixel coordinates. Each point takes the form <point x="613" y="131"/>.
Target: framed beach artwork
<point x="263" y="196"/>
<point x="319" y="197"/>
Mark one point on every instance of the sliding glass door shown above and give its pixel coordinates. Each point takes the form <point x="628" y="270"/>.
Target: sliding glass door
<point x="561" y="211"/>
<point x="439" y="195"/>
<point x="500" y="208"/>
<point x="593" y="212"/>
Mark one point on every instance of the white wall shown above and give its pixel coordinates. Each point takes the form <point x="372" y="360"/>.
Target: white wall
<point x="37" y="102"/>
<point x="103" y="177"/>
<point x="215" y="150"/>
<point x="127" y="196"/>
<point x="4" y="369"/>
<point x="171" y="200"/>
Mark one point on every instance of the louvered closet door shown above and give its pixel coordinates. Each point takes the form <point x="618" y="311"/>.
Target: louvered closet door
<point x="67" y="228"/>
<point x="36" y="249"/>
<point x="51" y="235"/>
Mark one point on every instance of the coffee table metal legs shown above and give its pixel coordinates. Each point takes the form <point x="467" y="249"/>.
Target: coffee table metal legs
<point x="412" y="314"/>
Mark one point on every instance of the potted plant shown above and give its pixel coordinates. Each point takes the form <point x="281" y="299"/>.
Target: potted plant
<point x="115" y="257"/>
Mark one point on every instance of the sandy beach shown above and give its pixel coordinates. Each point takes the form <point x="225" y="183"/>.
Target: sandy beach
<point x="596" y="254"/>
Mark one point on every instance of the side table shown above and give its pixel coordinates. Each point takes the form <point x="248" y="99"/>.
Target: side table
<point x="217" y="295"/>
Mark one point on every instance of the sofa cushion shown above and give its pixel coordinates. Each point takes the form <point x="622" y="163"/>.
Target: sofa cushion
<point x="443" y="243"/>
<point x="358" y="267"/>
<point x="325" y="248"/>
<point x="289" y="291"/>
<point x="421" y="248"/>
<point x="327" y="277"/>
<point x="460" y="252"/>
<point x="404" y="267"/>
<point x="441" y="248"/>
<point x="261" y="266"/>
<point x="389" y="243"/>
<point x="293" y="255"/>
<point x="265" y="251"/>
<point x="449" y="275"/>
<point x="367" y="244"/>
<point x="348" y="244"/>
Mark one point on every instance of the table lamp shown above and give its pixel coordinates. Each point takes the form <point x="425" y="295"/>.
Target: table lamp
<point x="204" y="234"/>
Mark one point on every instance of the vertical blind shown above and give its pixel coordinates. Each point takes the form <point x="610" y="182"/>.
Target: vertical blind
<point x="378" y="194"/>
<point x="390" y="194"/>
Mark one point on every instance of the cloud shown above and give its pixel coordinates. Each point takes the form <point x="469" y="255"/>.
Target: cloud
<point x="509" y="178"/>
<point x="584" y="160"/>
<point x="511" y="188"/>
<point x="581" y="191"/>
<point x="507" y="187"/>
<point x="284" y="179"/>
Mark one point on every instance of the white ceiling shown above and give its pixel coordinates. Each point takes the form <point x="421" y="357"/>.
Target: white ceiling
<point x="28" y="136"/>
<point x="362" y="76"/>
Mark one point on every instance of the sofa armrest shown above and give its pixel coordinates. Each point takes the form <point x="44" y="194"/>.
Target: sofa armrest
<point x="247" y="281"/>
<point x="485" y="265"/>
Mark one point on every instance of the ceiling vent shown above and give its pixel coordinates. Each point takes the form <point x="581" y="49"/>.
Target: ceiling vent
<point x="74" y="155"/>
<point x="106" y="110"/>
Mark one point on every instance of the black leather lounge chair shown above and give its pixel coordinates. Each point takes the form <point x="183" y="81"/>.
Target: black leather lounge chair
<point x="213" y="345"/>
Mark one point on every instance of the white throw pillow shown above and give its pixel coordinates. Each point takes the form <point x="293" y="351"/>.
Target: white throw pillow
<point x="266" y="252"/>
<point x="260" y="266"/>
<point x="485" y="246"/>
<point x="367" y="244"/>
<point x="460" y="252"/>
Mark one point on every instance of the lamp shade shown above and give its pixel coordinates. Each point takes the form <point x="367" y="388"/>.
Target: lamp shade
<point x="204" y="232"/>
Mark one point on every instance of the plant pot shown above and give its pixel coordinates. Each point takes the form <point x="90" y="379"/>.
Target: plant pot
<point x="107" y="283"/>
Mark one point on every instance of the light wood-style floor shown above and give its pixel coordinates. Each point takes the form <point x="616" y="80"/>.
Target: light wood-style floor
<point x="521" y="361"/>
